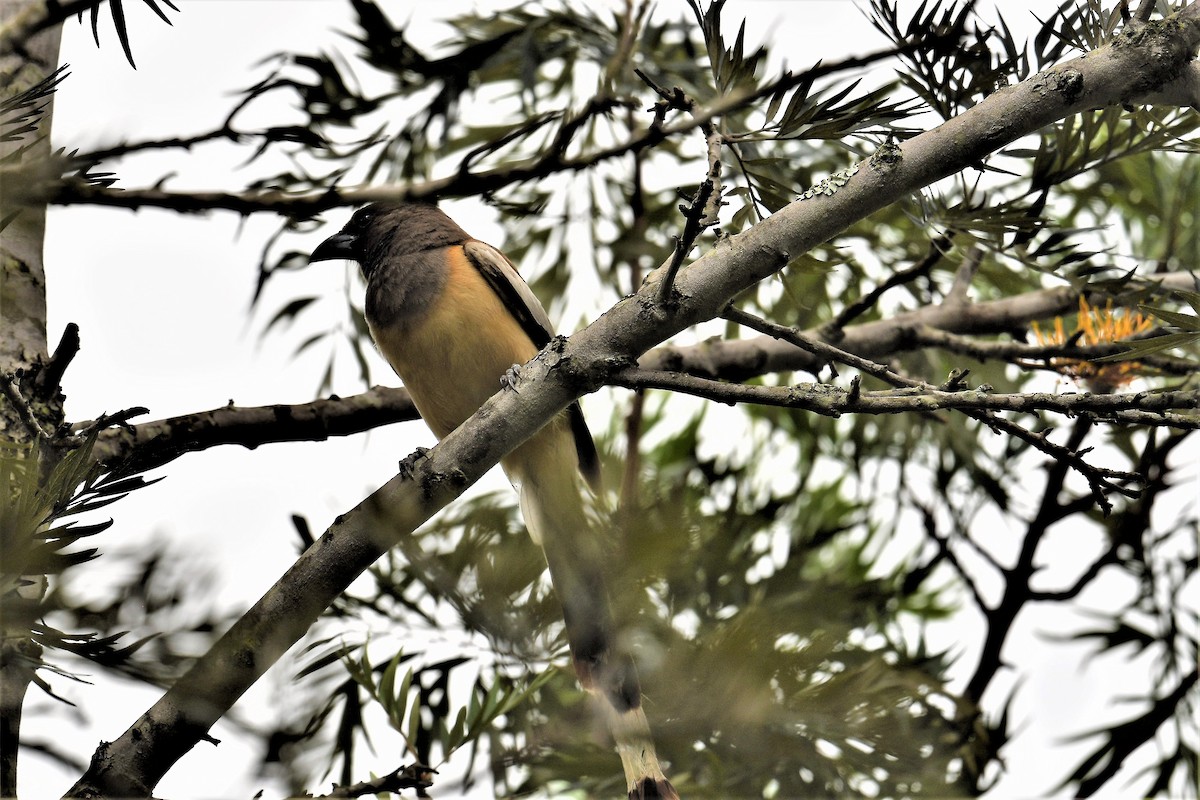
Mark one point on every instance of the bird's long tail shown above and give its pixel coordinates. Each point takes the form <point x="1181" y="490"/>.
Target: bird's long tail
<point x="553" y="509"/>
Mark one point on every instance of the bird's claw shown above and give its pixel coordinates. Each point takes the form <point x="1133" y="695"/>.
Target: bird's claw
<point x="510" y="377"/>
<point x="408" y="465"/>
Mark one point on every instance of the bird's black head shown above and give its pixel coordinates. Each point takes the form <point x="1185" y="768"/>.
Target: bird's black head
<point x="381" y="231"/>
<point x="350" y="240"/>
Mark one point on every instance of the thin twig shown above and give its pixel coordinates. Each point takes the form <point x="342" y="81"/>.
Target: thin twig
<point x="185" y="143"/>
<point x="530" y="125"/>
<point x="945" y="551"/>
<point x="705" y="207"/>
<point x="416" y="776"/>
<point x="1022" y="353"/>
<point x="833" y="401"/>
<point x="963" y="277"/>
<point x="694" y="223"/>
<point x="49" y="378"/>
<point x="1099" y="479"/>
<point x="937" y="249"/>
<point x="10" y="386"/>
<point x="823" y="350"/>
<point x="457" y="185"/>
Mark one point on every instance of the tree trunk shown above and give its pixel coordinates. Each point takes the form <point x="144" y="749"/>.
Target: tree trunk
<point x="24" y="62"/>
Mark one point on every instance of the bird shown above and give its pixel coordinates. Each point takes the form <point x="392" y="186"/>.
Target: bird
<point x="452" y="316"/>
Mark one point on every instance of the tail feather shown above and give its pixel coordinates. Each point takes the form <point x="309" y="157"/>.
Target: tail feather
<point x="556" y="520"/>
<point x="635" y="745"/>
<point x="552" y="506"/>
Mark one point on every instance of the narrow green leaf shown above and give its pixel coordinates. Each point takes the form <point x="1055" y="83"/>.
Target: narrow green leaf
<point x="414" y="721"/>
<point x="1156" y="345"/>
<point x="473" y="705"/>
<point x="402" y="699"/>
<point x="457" y="732"/>
<point x="387" y="684"/>
<point x="1186" y="322"/>
<point x="118" y="16"/>
<point x="161" y="14"/>
<point x="1193" y="298"/>
<point x="289" y="311"/>
<point x="74" y="531"/>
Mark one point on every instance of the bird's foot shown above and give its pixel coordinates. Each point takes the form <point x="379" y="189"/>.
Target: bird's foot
<point x="510" y="377"/>
<point x="408" y="465"/>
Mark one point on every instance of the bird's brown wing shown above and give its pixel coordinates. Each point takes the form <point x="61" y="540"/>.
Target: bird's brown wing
<point x="514" y="292"/>
<point x="503" y="277"/>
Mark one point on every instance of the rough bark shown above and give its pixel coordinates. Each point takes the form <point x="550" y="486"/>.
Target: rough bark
<point x="22" y="338"/>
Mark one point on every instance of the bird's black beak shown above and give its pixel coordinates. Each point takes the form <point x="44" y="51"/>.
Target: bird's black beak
<point x="340" y="245"/>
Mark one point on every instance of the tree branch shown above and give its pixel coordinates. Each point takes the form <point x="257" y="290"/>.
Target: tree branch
<point x="416" y="776"/>
<point x="1140" y="408"/>
<point x="35" y="18"/>
<point x="224" y="133"/>
<point x="1183" y="90"/>
<point x="48" y="379"/>
<point x="1100" y="479"/>
<point x="695" y="220"/>
<point x="746" y="358"/>
<point x="10" y="387"/>
<point x="153" y="444"/>
<point x="1022" y="353"/>
<point x="460" y="184"/>
<point x="1144" y="10"/>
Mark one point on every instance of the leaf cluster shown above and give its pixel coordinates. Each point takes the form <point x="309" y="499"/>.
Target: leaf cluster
<point x="963" y="66"/>
<point x="39" y="541"/>
<point x="116" y="9"/>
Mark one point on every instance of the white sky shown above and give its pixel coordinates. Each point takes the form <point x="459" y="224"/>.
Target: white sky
<point x="162" y="304"/>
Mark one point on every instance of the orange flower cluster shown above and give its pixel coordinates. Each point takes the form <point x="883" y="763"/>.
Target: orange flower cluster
<point x="1097" y="326"/>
